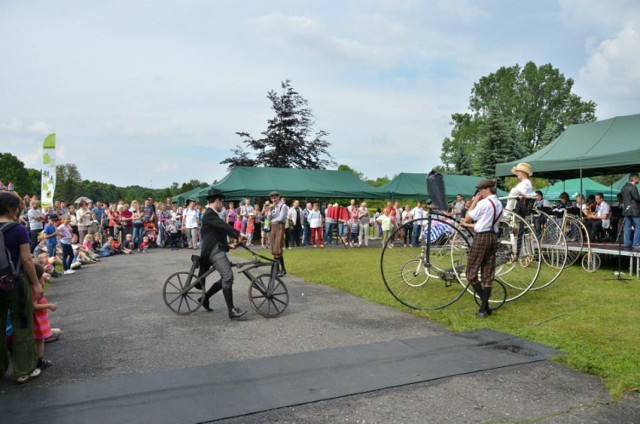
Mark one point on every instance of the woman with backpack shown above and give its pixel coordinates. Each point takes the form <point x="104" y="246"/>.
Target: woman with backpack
<point x="16" y="283"/>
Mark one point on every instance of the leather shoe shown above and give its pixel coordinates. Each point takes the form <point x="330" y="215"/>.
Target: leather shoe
<point x="205" y="304"/>
<point x="236" y="313"/>
<point x="282" y="273"/>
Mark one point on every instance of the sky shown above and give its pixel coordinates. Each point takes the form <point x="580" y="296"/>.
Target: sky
<point x="153" y="92"/>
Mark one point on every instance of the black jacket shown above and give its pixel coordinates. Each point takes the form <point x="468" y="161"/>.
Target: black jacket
<point x="630" y="200"/>
<point x="214" y="233"/>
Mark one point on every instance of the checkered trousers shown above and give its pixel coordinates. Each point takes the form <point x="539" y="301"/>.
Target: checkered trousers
<point x="277" y="239"/>
<point x="482" y="257"/>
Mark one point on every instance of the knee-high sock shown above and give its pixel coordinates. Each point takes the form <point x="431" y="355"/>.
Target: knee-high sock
<point x="485" y="299"/>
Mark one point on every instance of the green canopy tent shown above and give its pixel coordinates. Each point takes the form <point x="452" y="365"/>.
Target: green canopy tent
<point x="583" y="150"/>
<point x="617" y="186"/>
<point x="182" y="198"/>
<point x="414" y="186"/>
<point x="574" y="186"/>
<point x="304" y="183"/>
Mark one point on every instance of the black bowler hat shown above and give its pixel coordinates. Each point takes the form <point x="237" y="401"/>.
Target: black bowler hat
<point x="214" y="193"/>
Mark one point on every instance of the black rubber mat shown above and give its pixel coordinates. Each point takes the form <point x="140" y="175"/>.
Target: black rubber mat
<point x="232" y="389"/>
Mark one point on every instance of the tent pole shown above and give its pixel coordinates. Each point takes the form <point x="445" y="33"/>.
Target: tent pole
<point x="581" y="189"/>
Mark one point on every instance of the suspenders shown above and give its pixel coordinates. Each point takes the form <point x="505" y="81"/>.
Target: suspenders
<point x="495" y="218"/>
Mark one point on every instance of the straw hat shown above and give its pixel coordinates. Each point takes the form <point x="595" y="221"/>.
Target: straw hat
<point x="523" y="167"/>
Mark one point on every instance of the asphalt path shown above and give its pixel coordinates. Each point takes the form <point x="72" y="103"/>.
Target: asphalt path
<point x="115" y="323"/>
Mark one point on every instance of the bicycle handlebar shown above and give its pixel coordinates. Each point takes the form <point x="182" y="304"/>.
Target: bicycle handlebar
<point x="256" y="254"/>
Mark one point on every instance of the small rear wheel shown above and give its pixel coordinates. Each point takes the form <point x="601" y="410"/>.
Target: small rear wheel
<point x="181" y="295"/>
<point x="414" y="273"/>
<point x="591" y="262"/>
<point x="268" y="297"/>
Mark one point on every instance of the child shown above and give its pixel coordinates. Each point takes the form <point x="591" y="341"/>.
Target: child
<point x="127" y="244"/>
<point x="101" y="249"/>
<point x="87" y="248"/>
<point x="250" y="227"/>
<point x="41" y="327"/>
<point x="354" y="227"/>
<point x="386" y="225"/>
<point x="87" y="243"/>
<point x="50" y="236"/>
<point x="41" y="247"/>
<point x="144" y="246"/>
<point x="172" y="231"/>
<point x="80" y="254"/>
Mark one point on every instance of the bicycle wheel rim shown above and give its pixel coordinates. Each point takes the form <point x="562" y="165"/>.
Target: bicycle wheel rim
<point x="442" y="287"/>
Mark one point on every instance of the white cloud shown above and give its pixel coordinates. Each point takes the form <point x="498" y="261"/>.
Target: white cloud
<point x="465" y="10"/>
<point x="39" y="128"/>
<point x="304" y="35"/>
<point x="16" y="126"/>
<point x="12" y="126"/>
<point x="597" y="16"/>
<point x="166" y="166"/>
<point x="612" y="70"/>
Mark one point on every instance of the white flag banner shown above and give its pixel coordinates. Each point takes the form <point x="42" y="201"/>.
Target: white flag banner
<point x="48" y="180"/>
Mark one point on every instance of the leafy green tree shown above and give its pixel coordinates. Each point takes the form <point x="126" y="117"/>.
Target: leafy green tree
<point x="343" y="167"/>
<point x="191" y="185"/>
<point x="288" y="141"/>
<point x="536" y="102"/>
<point x="496" y="145"/>
<point x="68" y="183"/>
<point x="13" y="170"/>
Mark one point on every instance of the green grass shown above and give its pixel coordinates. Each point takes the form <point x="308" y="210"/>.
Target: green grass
<point x="594" y="319"/>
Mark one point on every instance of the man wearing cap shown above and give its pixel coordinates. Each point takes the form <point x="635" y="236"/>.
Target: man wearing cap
<point x="485" y="212"/>
<point x="214" y="252"/>
<point x="631" y="211"/>
<point x="278" y="217"/>
<point x="524" y="187"/>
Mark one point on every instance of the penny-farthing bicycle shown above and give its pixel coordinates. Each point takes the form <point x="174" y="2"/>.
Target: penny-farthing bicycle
<point x="426" y="277"/>
<point x="183" y="292"/>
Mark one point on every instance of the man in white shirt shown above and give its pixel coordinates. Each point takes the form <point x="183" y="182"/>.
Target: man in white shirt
<point x="190" y="224"/>
<point x="36" y="223"/>
<point x="484" y="217"/>
<point x="601" y="219"/>
<point x="417" y="213"/>
<point x="295" y="217"/>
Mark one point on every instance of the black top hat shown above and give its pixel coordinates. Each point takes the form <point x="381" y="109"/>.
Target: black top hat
<point x="214" y="193"/>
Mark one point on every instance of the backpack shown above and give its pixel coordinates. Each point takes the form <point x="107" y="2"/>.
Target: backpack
<point x="8" y="271"/>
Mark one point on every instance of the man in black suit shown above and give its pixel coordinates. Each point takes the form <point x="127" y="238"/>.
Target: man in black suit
<point x="214" y="252"/>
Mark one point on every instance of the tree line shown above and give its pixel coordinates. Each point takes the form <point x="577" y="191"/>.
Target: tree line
<point x="70" y="185"/>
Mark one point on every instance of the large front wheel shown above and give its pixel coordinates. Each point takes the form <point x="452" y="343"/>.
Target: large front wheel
<point x="426" y="277"/>
<point x="181" y="295"/>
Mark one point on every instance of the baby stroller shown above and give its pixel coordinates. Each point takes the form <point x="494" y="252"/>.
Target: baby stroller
<point x="151" y="233"/>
